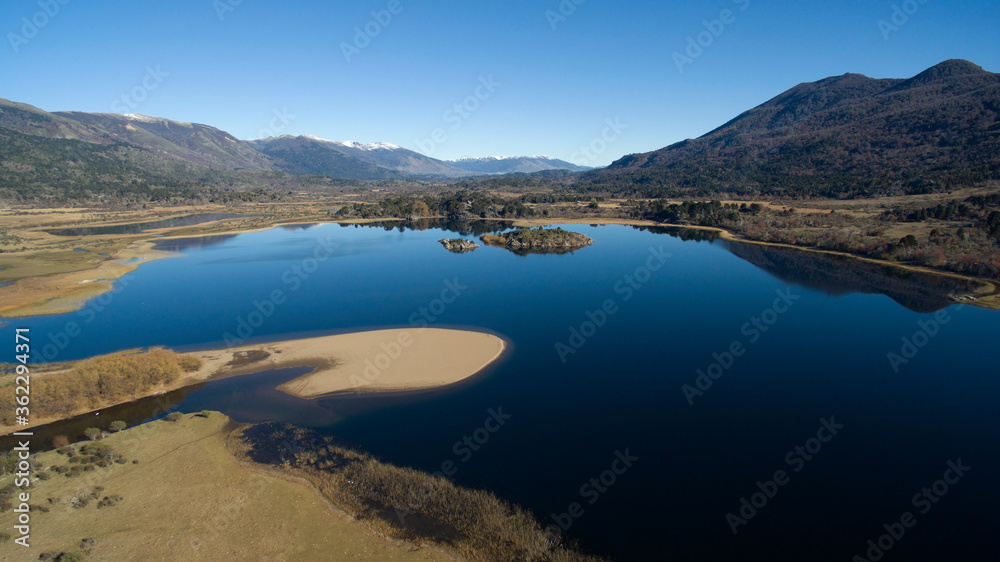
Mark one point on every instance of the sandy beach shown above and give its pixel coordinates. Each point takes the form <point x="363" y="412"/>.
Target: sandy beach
<point x="374" y="361"/>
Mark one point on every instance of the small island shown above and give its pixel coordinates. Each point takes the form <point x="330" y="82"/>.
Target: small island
<point x="458" y="245"/>
<point x="538" y="241"/>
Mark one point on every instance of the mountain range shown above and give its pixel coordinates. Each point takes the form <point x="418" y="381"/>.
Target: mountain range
<point x="842" y="136"/>
<point x="208" y="147"/>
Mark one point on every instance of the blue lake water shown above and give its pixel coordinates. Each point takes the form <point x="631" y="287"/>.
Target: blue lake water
<point x="811" y="336"/>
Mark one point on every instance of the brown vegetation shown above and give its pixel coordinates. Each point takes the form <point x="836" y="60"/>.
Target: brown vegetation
<point x="402" y="502"/>
<point x="95" y="383"/>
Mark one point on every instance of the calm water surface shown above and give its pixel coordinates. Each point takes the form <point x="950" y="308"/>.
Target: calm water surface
<point x="140" y="227"/>
<point x="812" y="336"/>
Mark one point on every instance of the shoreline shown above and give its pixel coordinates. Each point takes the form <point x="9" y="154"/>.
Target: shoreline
<point x="236" y="499"/>
<point x="340" y="362"/>
<point x="987" y="287"/>
<point x="372" y="361"/>
<point x="69" y="292"/>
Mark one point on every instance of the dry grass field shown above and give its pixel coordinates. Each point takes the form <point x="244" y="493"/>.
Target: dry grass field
<point x="188" y="498"/>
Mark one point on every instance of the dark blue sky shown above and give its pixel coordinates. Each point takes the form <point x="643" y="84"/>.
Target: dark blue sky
<point x="556" y="79"/>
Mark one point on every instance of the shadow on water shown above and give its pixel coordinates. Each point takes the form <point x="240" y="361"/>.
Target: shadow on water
<point x="72" y="429"/>
<point x="246" y="399"/>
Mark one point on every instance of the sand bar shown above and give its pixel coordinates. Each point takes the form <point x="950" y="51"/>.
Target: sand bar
<point x="374" y="361"/>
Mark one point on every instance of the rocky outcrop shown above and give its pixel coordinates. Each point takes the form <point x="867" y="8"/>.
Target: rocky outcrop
<point x="458" y="245"/>
<point x="526" y="240"/>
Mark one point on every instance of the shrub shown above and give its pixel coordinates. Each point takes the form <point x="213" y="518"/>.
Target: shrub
<point x="117" y="426"/>
<point x="92" y="433"/>
<point x="8" y="462"/>
<point x="109" y="501"/>
<point x="87" y="544"/>
<point x="204" y="413"/>
<point x="189" y="363"/>
<point x="96" y="382"/>
<point x="174" y="416"/>
<point x="63" y="556"/>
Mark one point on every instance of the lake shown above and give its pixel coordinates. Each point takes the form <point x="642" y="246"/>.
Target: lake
<point x="673" y="387"/>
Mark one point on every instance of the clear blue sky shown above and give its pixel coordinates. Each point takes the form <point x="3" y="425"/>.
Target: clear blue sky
<point x="557" y="87"/>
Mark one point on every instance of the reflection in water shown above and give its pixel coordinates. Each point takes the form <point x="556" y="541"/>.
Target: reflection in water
<point x="297" y="227"/>
<point x="840" y="275"/>
<point x="181" y="244"/>
<point x="837" y="275"/>
<point x="463" y="227"/>
<point x="140" y="227"/>
<point x="685" y="234"/>
<point x="622" y="388"/>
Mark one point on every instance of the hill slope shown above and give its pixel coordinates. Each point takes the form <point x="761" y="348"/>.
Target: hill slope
<point x="515" y="164"/>
<point x="185" y="142"/>
<point x="351" y="160"/>
<point x="843" y="136"/>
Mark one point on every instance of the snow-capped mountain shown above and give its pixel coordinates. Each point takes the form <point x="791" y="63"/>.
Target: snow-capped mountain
<point x="206" y="146"/>
<point x="310" y="154"/>
<point x="515" y="164"/>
